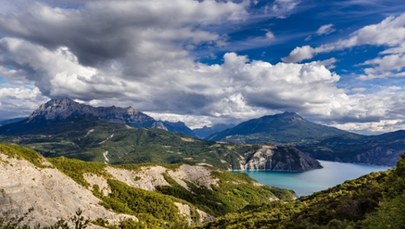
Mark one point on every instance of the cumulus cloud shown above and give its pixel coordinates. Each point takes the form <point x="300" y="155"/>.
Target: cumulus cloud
<point x="193" y="121"/>
<point x="325" y="30"/>
<point x="385" y="66"/>
<point x="18" y="102"/>
<point x="299" y="54"/>
<point x="389" y="33"/>
<point x="139" y="53"/>
<point x="105" y="30"/>
<point x="377" y="127"/>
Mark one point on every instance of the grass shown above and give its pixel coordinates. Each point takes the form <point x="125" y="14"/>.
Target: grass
<point x="234" y="192"/>
<point x="375" y="200"/>
<point x="128" y="146"/>
<point x="76" y="168"/>
<point x="20" y="152"/>
<point x="154" y="209"/>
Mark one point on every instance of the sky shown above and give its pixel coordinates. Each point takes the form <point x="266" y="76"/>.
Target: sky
<point x="340" y="63"/>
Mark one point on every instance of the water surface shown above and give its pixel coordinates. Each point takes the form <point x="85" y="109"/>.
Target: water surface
<point x="306" y="183"/>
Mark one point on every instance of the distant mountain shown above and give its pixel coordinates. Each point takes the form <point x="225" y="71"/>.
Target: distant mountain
<point x="179" y="127"/>
<point x="66" y="109"/>
<point x="118" y="143"/>
<point x="319" y="141"/>
<point x="383" y="149"/>
<point x="286" y="128"/>
<point x="107" y="134"/>
<point x="206" y="131"/>
<point x="62" y="109"/>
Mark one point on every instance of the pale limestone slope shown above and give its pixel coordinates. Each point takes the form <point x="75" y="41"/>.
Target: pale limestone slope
<point x="45" y="194"/>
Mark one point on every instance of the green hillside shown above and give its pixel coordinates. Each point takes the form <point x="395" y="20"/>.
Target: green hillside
<point x="320" y="141"/>
<point x="90" y="140"/>
<point x="376" y="200"/>
<point x="154" y="209"/>
<point x="285" y="128"/>
<point x="383" y="149"/>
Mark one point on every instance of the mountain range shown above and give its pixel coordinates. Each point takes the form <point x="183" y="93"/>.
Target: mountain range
<point x="62" y="127"/>
<point x="59" y="116"/>
<point x="319" y="141"/>
<point x="66" y="108"/>
<point x="206" y="131"/>
<point x="287" y="127"/>
<point x="120" y="181"/>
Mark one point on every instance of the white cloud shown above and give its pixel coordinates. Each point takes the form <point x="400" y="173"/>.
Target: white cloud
<point x="329" y="63"/>
<point x="283" y="8"/>
<point x="193" y="121"/>
<point x="55" y="72"/>
<point x="299" y="54"/>
<point x="138" y="53"/>
<point x="325" y="29"/>
<point x="386" y="66"/>
<point x="270" y="36"/>
<point x="377" y="127"/>
<point x="238" y="89"/>
<point x="19" y="102"/>
<point x="390" y="32"/>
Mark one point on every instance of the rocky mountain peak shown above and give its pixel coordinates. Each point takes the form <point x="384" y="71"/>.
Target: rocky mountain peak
<point x="63" y="108"/>
<point x="59" y="103"/>
<point x="59" y="108"/>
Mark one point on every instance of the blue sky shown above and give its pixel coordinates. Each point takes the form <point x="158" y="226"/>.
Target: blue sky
<point x="299" y="27"/>
<point x="339" y="63"/>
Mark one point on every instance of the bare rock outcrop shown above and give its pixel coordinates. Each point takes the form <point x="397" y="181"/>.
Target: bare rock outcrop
<point x="278" y="158"/>
<point x="45" y="194"/>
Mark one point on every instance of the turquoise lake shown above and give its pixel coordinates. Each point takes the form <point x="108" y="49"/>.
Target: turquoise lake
<point x="306" y="183"/>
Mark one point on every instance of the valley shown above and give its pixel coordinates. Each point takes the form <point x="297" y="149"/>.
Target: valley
<point x="65" y="128"/>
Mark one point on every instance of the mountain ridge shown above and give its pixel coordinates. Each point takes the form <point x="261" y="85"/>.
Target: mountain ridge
<point x="115" y="143"/>
<point x="66" y="109"/>
<point x="320" y="141"/>
<point x="287" y="127"/>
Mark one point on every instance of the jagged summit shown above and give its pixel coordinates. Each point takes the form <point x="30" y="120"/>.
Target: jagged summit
<point x="58" y="109"/>
<point x="62" y="110"/>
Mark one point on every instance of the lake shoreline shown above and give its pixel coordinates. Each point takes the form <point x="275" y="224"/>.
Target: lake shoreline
<point x="308" y="182"/>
